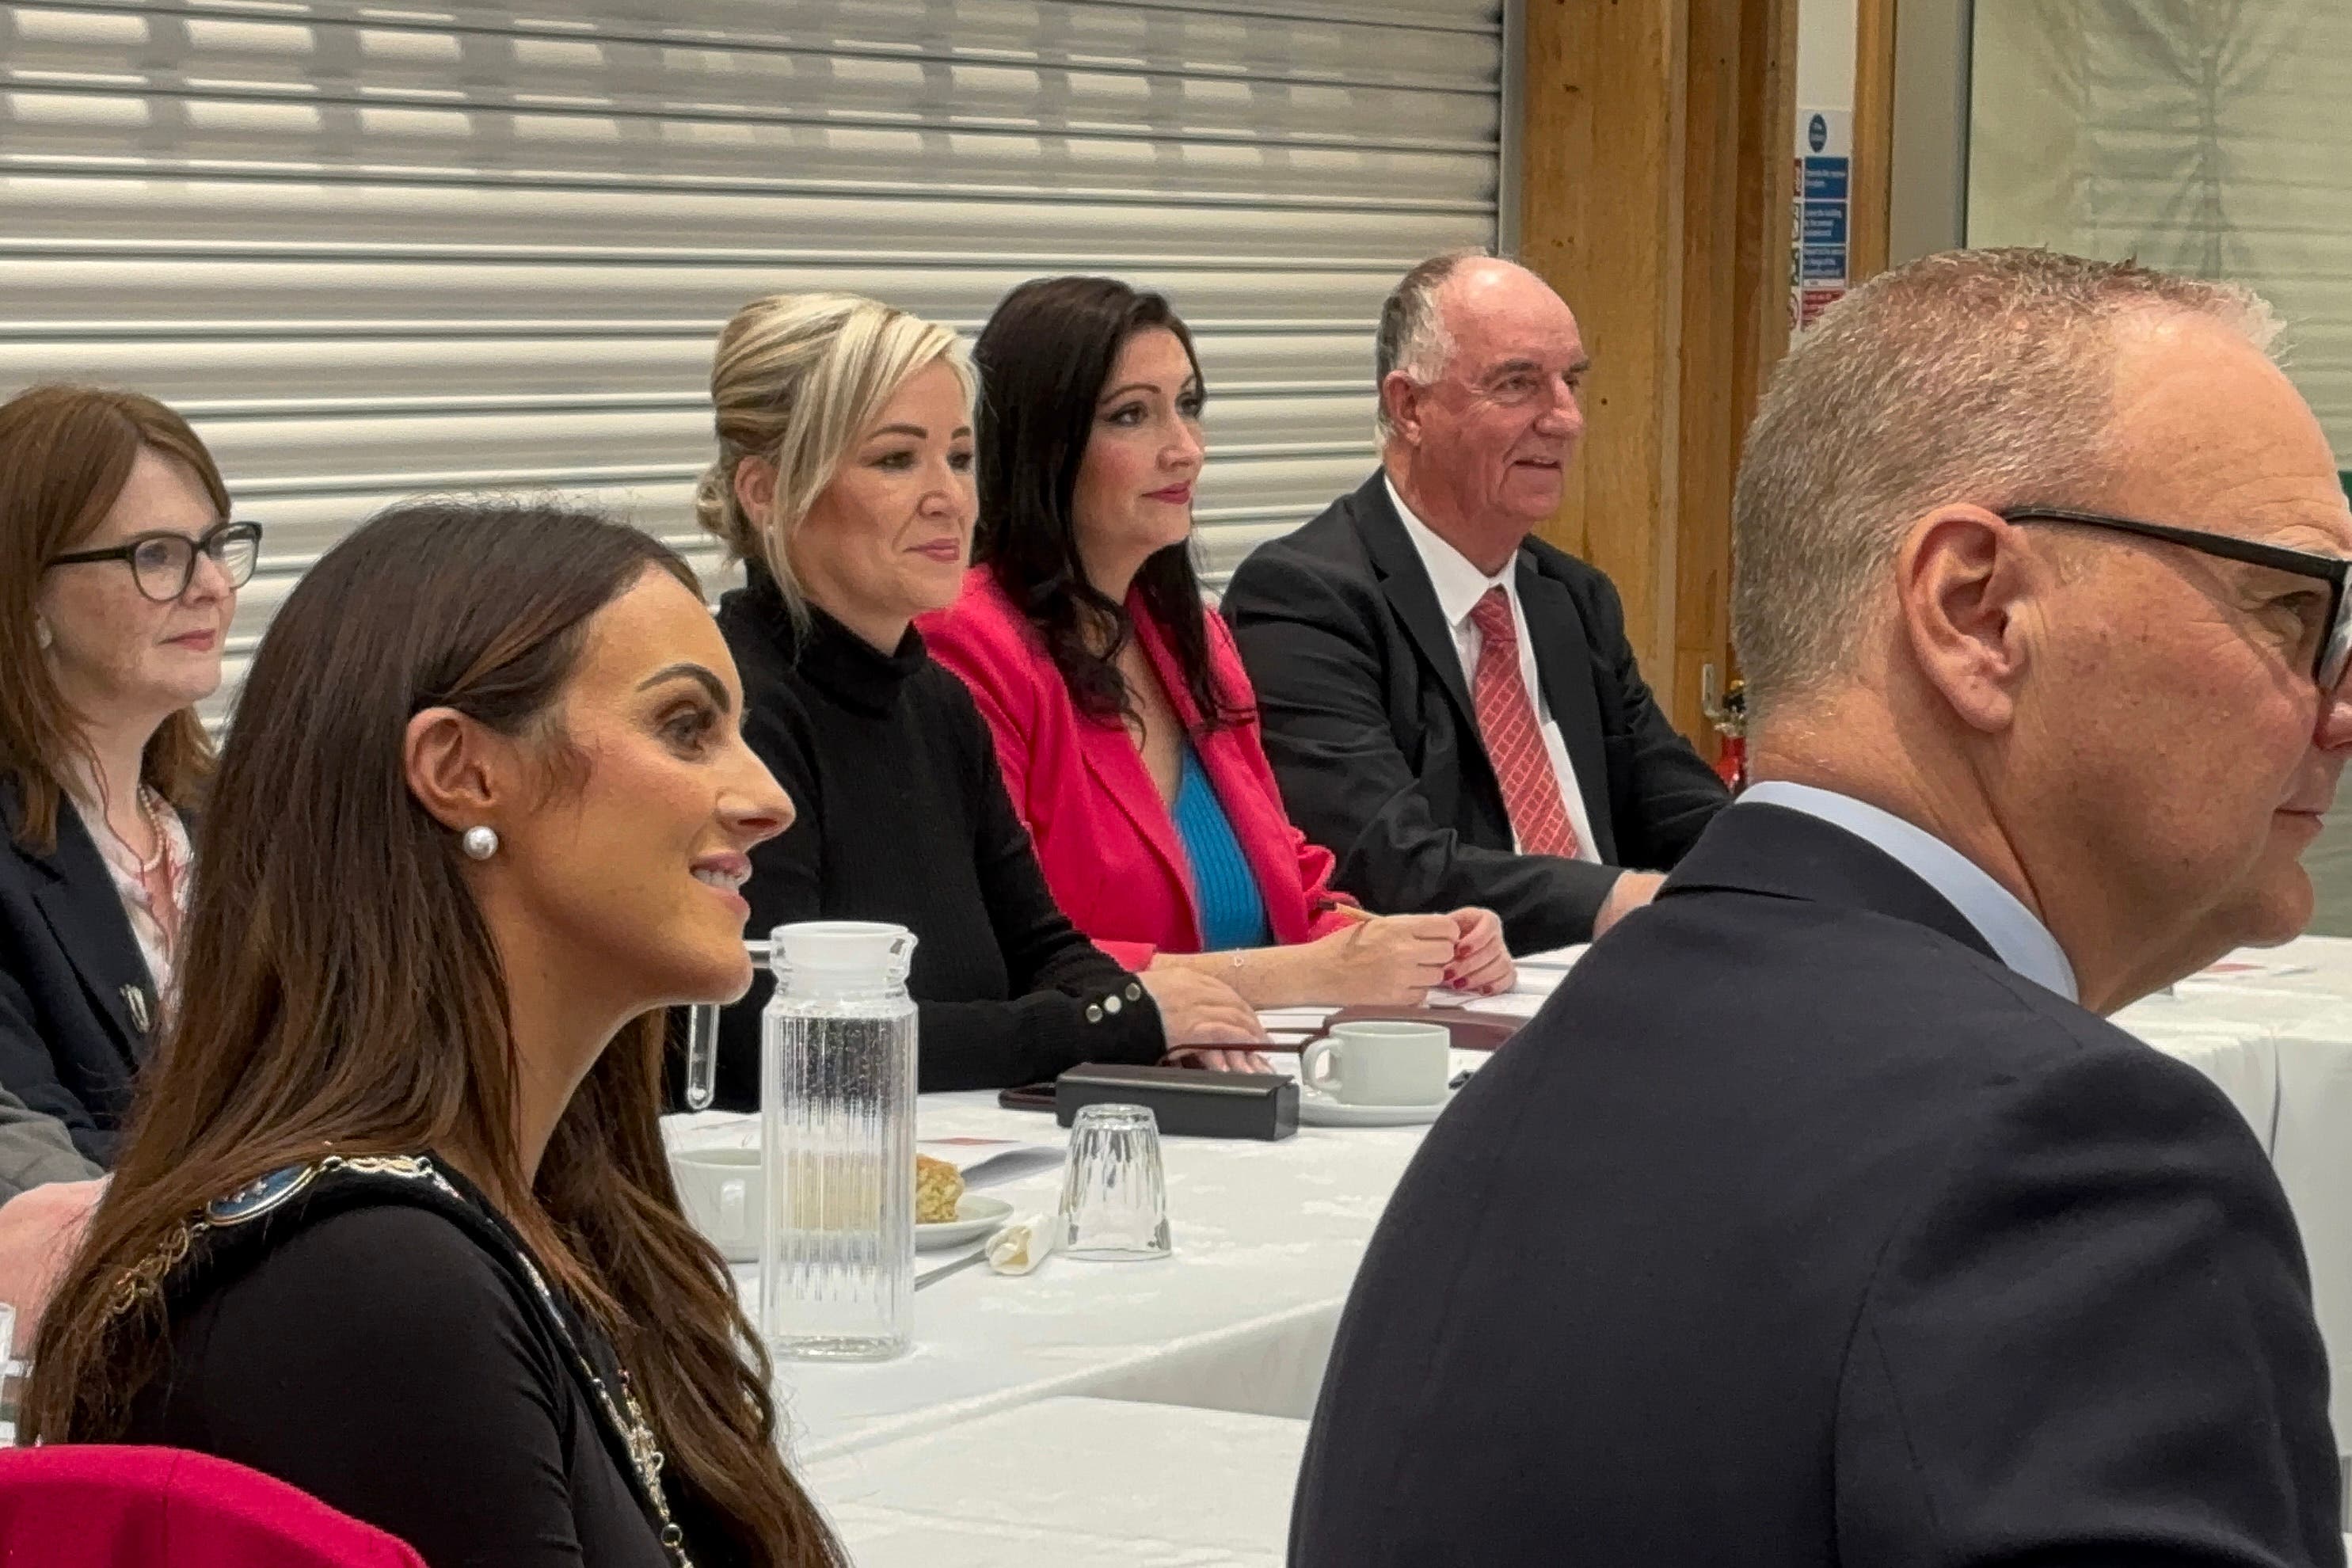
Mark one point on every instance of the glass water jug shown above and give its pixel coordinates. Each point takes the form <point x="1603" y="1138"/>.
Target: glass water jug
<point x="837" y="1133"/>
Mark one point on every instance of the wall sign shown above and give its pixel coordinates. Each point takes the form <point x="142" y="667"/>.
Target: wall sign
<point x="1819" y="223"/>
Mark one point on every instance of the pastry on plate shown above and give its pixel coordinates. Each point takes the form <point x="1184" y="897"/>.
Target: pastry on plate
<point x="938" y="1188"/>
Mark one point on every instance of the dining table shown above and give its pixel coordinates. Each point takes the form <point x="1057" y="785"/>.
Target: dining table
<point x="959" y="1452"/>
<point x="1129" y="1485"/>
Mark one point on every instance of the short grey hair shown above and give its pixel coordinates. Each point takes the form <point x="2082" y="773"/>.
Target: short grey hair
<point x="1412" y="336"/>
<point x="1984" y="376"/>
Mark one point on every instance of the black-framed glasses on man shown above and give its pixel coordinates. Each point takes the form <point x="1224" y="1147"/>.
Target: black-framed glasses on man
<point x="164" y="564"/>
<point x="2333" y="649"/>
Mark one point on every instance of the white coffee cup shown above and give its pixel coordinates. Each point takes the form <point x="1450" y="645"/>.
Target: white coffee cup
<point x="720" y="1190"/>
<point x="1382" y="1062"/>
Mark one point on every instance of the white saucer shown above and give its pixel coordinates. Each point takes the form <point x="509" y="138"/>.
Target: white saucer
<point x="975" y="1217"/>
<point x="1319" y="1110"/>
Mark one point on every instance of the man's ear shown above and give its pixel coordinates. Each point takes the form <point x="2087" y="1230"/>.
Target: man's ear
<point x="755" y="489"/>
<point x="1400" y="401"/>
<point x="1964" y="580"/>
<point x="459" y="771"/>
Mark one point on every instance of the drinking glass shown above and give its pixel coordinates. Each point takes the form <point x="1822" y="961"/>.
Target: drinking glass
<point x="13" y="1373"/>
<point x="1114" y="1196"/>
<point x="702" y="1043"/>
<point x="701" y="1055"/>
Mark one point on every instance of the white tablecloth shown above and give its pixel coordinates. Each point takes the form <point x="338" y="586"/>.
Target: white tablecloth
<point x="2288" y="1012"/>
<point x="1267" y="1239"/>
<point x="1075" y="1483"/>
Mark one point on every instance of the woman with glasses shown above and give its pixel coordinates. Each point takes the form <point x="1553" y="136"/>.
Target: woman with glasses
<point x="119" y="573"/>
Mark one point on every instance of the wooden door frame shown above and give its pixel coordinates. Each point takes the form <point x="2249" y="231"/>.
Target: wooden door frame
<point x="1656" y="185"/>
<point x="1873" y="136"/>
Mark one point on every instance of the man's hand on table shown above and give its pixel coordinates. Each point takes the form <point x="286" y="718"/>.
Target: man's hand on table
<point x="1627" y="893"/>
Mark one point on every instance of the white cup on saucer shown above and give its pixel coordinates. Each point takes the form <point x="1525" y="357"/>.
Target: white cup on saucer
<point x="1380" y="1062"/>
<point x="720" y="1190"/>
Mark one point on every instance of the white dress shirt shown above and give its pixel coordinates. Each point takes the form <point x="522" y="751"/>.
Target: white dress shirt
<point x="1460" y="585"/>
<point x="2016" y="937"/>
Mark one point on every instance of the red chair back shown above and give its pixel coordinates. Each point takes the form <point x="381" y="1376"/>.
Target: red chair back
<point x="81" y="1505"/>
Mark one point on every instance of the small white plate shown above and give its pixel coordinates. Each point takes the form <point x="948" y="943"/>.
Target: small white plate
<point x="1319" y="1110"/>
<point x="975" y="1217"/>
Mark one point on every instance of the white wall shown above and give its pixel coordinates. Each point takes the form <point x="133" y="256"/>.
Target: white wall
<point x="1825" y="50"/>
<point x="2205" y="140"/>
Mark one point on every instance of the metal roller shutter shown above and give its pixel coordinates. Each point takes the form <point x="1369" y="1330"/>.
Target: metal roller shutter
<point x="373" y="250"/>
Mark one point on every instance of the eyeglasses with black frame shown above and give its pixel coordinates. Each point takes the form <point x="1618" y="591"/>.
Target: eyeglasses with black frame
<point x="164" y="563"/>
<point x="2334" y="647"/>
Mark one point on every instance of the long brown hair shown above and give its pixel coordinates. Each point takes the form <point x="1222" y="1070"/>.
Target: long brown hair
<point x="348" y="994"/>
<point x="66" y="453"/>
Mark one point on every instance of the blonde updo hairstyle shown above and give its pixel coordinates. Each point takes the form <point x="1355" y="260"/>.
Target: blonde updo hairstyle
<point x="795" y="380"/>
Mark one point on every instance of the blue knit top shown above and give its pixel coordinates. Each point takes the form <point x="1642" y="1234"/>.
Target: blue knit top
<point x="1233" y="912"/>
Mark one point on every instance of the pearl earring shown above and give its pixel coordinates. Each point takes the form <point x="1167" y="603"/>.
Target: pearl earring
<point x="480" y="843"/>
<point x="42" y="636"/>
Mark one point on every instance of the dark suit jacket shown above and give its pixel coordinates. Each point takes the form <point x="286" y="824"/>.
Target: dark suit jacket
<point x="1370" y="725"/>
<point x="70" y="1036"/>
<point x="1798" y="1230"/>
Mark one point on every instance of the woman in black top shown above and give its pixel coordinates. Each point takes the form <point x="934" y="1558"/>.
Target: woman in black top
<point x="393" y="1224"/>
<point x="844" y="481"/>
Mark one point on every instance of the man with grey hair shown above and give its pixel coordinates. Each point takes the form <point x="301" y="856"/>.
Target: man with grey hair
<point x="1451" y="704"/>
<point x="1820" y="1218"/>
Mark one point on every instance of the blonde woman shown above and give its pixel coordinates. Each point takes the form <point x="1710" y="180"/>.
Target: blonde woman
<point x="844" y="483"/>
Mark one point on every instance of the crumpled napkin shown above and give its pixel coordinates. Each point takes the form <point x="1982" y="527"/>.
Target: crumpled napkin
<point x="1023" y="1243"/>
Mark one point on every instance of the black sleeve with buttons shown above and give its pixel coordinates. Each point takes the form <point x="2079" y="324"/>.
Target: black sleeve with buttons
<point x="1074" y="1003"/>
<point x="903" y="817"/>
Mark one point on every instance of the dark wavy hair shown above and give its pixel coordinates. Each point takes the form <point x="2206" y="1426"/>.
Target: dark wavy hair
<point x="1042" y="359"/>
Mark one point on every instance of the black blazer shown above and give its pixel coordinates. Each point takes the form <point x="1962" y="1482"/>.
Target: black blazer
<point x="78" y="1008"/>
<point x="1371" y="729"/>
<point x="1798" y="1230"/>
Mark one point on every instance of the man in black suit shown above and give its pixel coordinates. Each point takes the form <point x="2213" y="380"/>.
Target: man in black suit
<point x="1451" y="704"/>
<point x="1819" y="1218"/>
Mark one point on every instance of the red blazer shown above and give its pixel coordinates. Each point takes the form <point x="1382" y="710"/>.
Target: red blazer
<point x="1106" y="839"/>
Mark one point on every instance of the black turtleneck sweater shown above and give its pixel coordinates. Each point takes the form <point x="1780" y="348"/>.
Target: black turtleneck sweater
<point x="904" y="817"/>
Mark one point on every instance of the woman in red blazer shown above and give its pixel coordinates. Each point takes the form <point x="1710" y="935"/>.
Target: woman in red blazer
<point x="1124" y="721"/>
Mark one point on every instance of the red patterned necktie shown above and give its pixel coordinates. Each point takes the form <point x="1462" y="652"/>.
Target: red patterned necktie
<point x="1507" y="719"/>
